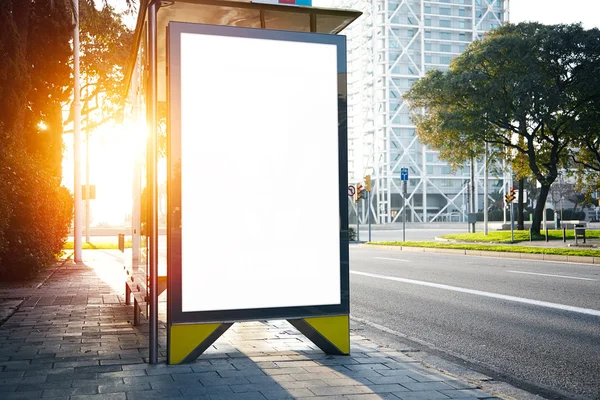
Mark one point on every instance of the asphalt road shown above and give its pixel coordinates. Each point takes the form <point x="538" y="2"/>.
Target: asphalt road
<point x="535" y="324"/>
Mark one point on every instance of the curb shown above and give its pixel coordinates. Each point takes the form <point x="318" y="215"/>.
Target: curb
<point x="488" y="253"/>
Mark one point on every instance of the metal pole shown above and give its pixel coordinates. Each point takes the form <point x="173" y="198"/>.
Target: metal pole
<point x="357" y="216"/>
<point x="151" y="177"/>
<point x="544" y="217"/>
<point x="485" y="191"/>
<point x="504" y="188"/>
<point x="76" y="139"/>
<point x="137" y="184"/>
<point x="369" y="213"/>
<point x="472" y="208"/>
<point x="404" y="211"/>
<point x="512" y="222"/>
<point x="87" y="171"/>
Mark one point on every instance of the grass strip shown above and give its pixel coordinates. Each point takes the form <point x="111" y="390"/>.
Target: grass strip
<point x="498" y="248"/>
<point x="97" y="246"/>
<point x="520" y="236"/>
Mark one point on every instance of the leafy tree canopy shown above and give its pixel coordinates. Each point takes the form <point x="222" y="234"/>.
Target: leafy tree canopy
<point x="524" y="88"/>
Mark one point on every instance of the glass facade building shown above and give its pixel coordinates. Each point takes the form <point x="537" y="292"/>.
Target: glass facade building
<point x="390" y="47"/>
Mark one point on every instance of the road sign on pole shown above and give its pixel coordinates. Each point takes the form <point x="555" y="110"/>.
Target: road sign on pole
<point x="351" y="191"/>
<point x="403" y="174"/>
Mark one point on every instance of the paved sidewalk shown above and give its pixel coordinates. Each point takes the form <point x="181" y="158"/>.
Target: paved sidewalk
<point x="72" y="338"/>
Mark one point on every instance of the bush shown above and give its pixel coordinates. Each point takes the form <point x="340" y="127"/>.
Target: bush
<point x="351" y="233"/>
<point x="39" y="214"/>
<point x="571" y="215"/>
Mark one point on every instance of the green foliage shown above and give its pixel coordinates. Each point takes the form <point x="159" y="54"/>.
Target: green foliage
<point x="528" y="82"/>
<point x="520" y="236"/>
<point x="105" y="43"/>
<point x="35" y="211"/>
<point x="572" y="215"/>
<point x="97" y="245"/>
<point x="40" y="213"/>
<point x="351" y="233"/>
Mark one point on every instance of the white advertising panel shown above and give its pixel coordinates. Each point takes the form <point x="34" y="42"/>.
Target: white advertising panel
<point x="260" y="204"/>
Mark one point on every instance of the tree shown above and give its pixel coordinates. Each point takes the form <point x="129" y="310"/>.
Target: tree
<point x="104" y="45"/>
<point x="524" y="87"/>
<point x="35" y="83"/>
<point x="35" y="211"/>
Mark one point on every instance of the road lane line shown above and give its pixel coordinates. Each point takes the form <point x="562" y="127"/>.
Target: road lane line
<point x="391" y="259"/>
<point x="546" y="304"/>
<point x="555" y="276"/>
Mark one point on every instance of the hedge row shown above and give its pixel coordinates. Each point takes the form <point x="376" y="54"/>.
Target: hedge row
<point x="35" y="215"/>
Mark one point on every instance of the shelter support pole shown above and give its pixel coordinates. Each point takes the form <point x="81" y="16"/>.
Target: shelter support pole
<point x="76" y="140"/>
<point x="188" y="341"/>
<point x="331" y="334"/>
<point x="151" y="179"/>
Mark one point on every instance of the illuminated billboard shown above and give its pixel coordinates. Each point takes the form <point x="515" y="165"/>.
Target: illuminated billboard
<point x="257" y="174"/>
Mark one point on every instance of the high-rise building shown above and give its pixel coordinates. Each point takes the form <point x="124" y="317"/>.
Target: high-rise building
<point x="390" y="47"/>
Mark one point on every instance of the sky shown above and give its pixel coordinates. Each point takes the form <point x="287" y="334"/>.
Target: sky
<point x="556" y="11"/>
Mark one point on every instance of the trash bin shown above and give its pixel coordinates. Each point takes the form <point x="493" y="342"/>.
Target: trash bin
<point x="579" y="233"/>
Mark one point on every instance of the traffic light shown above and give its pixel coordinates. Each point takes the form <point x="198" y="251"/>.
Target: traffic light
<point x="368" y="183"/>
<point x="360" y="192"/>
<point x="511" y="195"/>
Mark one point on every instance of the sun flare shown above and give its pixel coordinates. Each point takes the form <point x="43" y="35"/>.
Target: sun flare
<point x="112" y="149"/>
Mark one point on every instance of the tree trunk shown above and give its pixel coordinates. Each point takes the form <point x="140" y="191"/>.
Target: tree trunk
<point x="520" y="216"/>
<point x="538" y="214"/>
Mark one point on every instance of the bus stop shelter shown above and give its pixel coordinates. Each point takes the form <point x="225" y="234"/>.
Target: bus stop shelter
<point x="239" y="91"/>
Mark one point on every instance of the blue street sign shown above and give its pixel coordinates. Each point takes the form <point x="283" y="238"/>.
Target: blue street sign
<point x="403" y="174"/>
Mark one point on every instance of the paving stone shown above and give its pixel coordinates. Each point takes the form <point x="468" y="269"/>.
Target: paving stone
<point x="106" y="396"/>
<point x="424" y="395"/>
<point x="431" y="386"/>
<point x="473" y="393"/>
<point x="342" y="390"/>
<point x="22" y="395"/>
<point x="285" y="393"/>
<point x="391" y="379"/>
<point x="238" y="396"/>
<point x="66" y="392"/>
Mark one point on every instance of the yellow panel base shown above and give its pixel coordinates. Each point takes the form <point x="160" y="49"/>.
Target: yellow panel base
<point x="187" y="342"/>
<point x="330" y="334"/>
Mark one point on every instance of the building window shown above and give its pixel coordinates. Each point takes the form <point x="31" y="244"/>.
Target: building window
<point x="427" y="21"/>
<point x="462" y="12"/>
<point x="444" y="11"/>
<point x="428" y="59"/>
<point x="427" y="34"/>
<point x="445" y="23"/>
<point x="445" y="48"/>
<point x="429" y="170"/>
<point x="428" y="46"/>
<point x="445" y="60"/>
<point x="462" y="24"/>
<point x="427" y="9"/>
<point x="462" y="37"/>
<point x="445" y="35"/>
<point x="429" y="157"/>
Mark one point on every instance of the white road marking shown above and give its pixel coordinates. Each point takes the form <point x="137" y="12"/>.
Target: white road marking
<point x="546" y="304"/>
<point x="391" y="259"/>
<point x="555" y="276"/>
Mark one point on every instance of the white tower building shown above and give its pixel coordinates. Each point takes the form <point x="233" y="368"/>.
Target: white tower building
<point x="390" y="47"/>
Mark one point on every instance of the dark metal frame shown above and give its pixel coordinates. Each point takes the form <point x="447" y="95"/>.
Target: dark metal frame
<point x="175" y="314"/>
